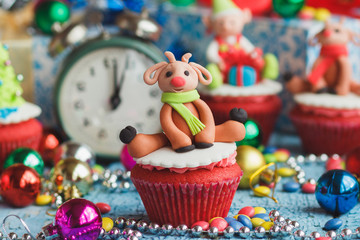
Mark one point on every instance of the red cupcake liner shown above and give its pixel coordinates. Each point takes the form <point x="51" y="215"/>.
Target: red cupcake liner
<point x="186" y="203"/>
<point x="23" y="134"/>
<point x="329" y="135"/>
<point x="263" y="109"/>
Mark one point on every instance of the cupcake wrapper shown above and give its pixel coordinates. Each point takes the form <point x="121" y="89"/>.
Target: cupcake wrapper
<point x="326" y="135"/>
<point x="30" y="139"/>
<point x="264" y="110"/>
<point x="186" y="203"/>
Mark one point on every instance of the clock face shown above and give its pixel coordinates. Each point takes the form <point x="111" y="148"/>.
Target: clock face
<point x="102" y="93"/>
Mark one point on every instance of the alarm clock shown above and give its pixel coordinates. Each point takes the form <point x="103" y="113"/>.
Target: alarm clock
<point x="100" y="90"/>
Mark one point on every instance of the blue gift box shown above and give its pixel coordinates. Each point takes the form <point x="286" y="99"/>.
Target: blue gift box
<point x="183" y="31"/>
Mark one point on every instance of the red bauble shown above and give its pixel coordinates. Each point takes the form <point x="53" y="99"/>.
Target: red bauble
<point x="19" y="185"/>
<point x="353" y="161"/>
<point x="258" y="7"/>
<point x="206" y="3"/>
<point x="50" y="140"/>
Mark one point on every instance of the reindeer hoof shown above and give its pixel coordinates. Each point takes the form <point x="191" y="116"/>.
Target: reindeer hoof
<point x="238" y="114"/>
<point x="326" y="90"/>
<point x="185" y="149"/>
<point x="288" y="76"/>
<point x="127" y="134"/>
<point x="202" y="145"/>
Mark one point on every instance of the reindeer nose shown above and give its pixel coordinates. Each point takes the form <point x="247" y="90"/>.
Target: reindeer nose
<point x="177" y="81"/>
<point x="327" y="33"/>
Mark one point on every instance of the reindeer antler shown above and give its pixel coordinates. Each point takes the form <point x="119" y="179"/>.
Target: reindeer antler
<point x="170" y="56"/>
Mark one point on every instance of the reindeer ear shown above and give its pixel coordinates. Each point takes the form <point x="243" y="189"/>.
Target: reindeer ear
<point x="147" y="75"/>
<point x="207" y="22"/>
<point x="354" y="38"/>
<point x="200" y="70"/>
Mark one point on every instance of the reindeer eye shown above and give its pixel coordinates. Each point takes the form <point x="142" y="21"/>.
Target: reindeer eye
<point x="168" y="74"/>
<point x="187" y="73"/>
<point x="337" y="30"/>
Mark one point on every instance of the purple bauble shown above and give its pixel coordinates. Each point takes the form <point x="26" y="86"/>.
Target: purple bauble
<point x="126" y="159"/>
<point x="78" y="219"/>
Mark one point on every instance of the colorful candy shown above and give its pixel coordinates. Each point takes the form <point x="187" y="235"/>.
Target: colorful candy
<point x="262" y="191"/>
<point x="248" y="211"/>
<point x="219" y="223"/>
<point x="286" y="172"/>
<point x="258" y="210"/>
<point x="103" y="207"/>
<point x="291" y="186"/>
<point x="308" y="188"/>
<point x="267" y="225"/>
<point x="107" y="223"/>
<point x="204" y="225"/>
<point x="236" y="225"/>
<point x="257" y="222"/>
<point x="245" y="220"/>
<point x="262" y="216"/>
<point x="42" y="200"/>
<point x="333" y="224"/>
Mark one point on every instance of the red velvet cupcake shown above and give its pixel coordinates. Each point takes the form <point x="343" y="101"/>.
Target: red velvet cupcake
<point x="20" y="129"/>
<point x="260" y="101"/>
<point x="327" y="123"/>
<point x="188" y="187"/>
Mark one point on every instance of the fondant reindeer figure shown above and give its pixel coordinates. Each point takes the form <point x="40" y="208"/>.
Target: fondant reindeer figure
<point x="331" y="71"/>
<point x="186" y="120"/>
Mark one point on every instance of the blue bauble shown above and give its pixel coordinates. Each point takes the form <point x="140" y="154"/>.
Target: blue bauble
<point x="337" y="191"/>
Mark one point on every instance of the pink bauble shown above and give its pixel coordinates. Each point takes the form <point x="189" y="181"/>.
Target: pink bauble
<point x="126" y="159"/>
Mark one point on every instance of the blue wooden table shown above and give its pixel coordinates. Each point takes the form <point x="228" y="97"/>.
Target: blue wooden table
<point x="295" y="206"/>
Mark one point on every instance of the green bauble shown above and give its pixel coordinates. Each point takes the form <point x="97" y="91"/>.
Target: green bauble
<point x="182" y="3"/>
<point x="50" y="12"/>
<point x="253" y="136"/>
<point x="26" y="156"/>
<point x="288" y="8"/>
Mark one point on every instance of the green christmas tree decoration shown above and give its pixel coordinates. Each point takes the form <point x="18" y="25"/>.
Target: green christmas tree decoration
<point x="10" y="89"/>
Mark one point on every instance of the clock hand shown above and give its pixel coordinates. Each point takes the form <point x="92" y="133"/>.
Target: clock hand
<point x="115" y="98"/>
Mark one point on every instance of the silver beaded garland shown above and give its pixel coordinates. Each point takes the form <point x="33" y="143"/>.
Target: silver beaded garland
<point x="279" y="220"/>
<point x="26" y="236"/>
<point x="299" y="234"/>
<point x="229" y="232"/>
<point x="166" y="229"/>
<point x="346" y="233"/>
<point x="181" y="229"/>
<point x="196" y="231"/>
<point x="274" y="231"/>
<point x="154" y="228"/>
<point x="141" y="225"/>
<point x="213" y="232"/>
<point x="259" y="232"/>
<point x="102" y="233"/>
<point x="357" y="232"/>
<point x="295" y="224"/>
<point x="120" y="222"/>
<point x="127" y="232"/>
<point x="130" y="223"/>
<point x="315" y="235"/>
<point x="286" y="230"/>
<point x="137" y="234"/>
<point x="331" y="234"/>
<point x="244" y="232"/>
<point x="12" y="236"/>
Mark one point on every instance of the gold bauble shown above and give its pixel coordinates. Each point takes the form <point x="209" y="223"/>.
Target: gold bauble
<point x="249" y="159"/>
<point x="72" y="171"/>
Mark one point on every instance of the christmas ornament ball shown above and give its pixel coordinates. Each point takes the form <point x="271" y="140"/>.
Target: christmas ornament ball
<point x="49" y="142"/>
<point x="126" y="159"/>
<point x="19" y="185"/>
<point x="72" y="149"/>
<point x="71" y="171"/>
<point x="353" y="161"/>
<point x="78" y="219"/>
<point x="288" y="8"/>
<point x="253" y="136"/>
<point x="49" y="12"/>
<point x="249" y="159"/>
<point x="337" y="191"/>
<point x="26" y="156"/>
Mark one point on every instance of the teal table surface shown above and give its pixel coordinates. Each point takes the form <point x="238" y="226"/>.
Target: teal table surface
<point x="298" y="206"/>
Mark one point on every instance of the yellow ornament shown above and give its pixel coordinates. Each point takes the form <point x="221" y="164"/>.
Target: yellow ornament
<point x="107" y="223"/>
<point x="322" y="14"/>
<point x="42" y="200"/>
<point x="249" y="159"/>
<point x="71" y="171"/>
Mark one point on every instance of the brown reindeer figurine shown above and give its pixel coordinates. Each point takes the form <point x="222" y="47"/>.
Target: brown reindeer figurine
<point x="331" y="71"/>
<point x="187" y="122"/>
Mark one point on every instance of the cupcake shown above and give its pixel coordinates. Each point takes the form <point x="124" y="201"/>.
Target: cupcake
<point x="327" y="115"/>
<point x="327" y="123"/>
<point x="188" y="172"/>
<point x="185" y="188"/>
<point x="18" y="128"/>
<point x="241" y="73"/>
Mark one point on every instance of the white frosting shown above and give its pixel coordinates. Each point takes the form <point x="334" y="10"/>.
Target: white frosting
<point x="325" y="100"/>
<point x="23" y="113"/>
<point x="266" y="87"/>
<point x="166" y="157"/>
